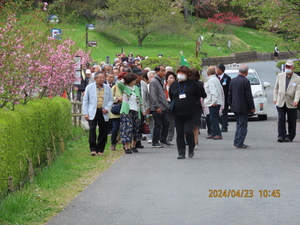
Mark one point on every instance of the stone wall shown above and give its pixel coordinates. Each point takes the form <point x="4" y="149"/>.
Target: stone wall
<point x="244" y="57"/>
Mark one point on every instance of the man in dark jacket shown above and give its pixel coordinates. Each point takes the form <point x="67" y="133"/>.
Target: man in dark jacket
<point x="159" y="108"/>
<point x="241" y="102"/>
<point x="225" y="82"/>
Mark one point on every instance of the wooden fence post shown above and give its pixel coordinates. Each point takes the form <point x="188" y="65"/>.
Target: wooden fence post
<point x="74" y="117"/>
<point x="49" y="158"/>
<point x="39" y="159"/>
<point x="62" y="145"/>
<point x="53" y="141"/>
<point x="10" y="183"/>
<point x="30" y="167"/>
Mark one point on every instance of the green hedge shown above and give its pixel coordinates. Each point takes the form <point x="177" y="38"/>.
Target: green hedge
<point x="27" y="131"/>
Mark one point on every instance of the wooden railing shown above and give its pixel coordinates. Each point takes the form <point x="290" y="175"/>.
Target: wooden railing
<point x="76" y="113"/>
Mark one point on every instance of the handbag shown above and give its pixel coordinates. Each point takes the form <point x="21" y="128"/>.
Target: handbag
<point x="202" y="121"/>
<point x="171" y="105"/>
<point x="145" y="129"/>
<point x="116" y="108"/>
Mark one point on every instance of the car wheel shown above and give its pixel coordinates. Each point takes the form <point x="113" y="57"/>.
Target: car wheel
<point x="263" y="117"/>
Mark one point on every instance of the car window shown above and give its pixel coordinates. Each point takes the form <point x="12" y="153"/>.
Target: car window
<point x="252" y="77"/>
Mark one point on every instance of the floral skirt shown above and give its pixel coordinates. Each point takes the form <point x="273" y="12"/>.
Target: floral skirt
<point x="130" y="127"/>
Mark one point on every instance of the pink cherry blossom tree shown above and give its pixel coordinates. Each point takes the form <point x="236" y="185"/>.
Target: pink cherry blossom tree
<point x="32" y="64"/>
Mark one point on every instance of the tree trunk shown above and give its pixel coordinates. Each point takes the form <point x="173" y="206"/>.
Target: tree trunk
<point x="185" y="10"/>
<point x="214" y="32"/>
<point x="140" y="42"/>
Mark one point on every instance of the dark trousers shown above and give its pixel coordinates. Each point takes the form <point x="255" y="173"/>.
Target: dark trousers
<point x="208" y="125"/>
<point x="184" y="125"/>
<point x="214" y="120"/>
<point x="98" y="143"/>
<point x="291" y="119"/>
<point x="161" y="126"/>
<point x="241" y="129"/>
<point x="78" y="95"/>
<point x="224" y="118"/>
<point x="115" y="123"/>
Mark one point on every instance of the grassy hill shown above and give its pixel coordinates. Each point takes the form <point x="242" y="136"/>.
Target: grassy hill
<point x="112" y="41"/>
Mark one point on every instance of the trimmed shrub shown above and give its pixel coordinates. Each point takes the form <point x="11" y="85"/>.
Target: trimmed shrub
<point x="26" y="133"/>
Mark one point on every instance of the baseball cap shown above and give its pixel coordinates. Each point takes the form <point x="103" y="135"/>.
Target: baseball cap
<point x="88" y="71"/>
<point x="137" y="70"/>
<point x="289" y="63"/>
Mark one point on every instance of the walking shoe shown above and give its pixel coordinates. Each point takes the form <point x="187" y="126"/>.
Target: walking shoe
<point x="191" y="154"/>
<point x="113" y="147"/>
<point x="149" y="141"/>
<point x="280" y="140"/>
<point x="166" y="143"/>
<point x="209" y="137"/>
<point x="139" y="145"/>
<point x="243" y="146"/>
<point x="218" y="137"/>
<point x="157" y="145"/>
<point x="224" y="130"/>
<point x="196" y="147"/>
<point x="128" y="151"/>
<point x="134" y="150"/>
<point x="288" y="140"/>
<point x="181" y="157"/>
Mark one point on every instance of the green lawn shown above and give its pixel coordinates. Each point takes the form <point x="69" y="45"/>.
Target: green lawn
<point x="111" y="42"/>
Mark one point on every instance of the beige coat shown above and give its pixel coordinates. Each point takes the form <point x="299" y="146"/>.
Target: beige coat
<point x="291" y="94"/>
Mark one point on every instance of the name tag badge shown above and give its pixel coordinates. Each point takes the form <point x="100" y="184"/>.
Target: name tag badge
<point x="224" y="81"/>
<point x="293" y="84"/>
<point x="181" y="96"/>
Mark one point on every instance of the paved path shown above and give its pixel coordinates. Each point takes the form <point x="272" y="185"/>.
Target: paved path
<point x="154" y="188"/>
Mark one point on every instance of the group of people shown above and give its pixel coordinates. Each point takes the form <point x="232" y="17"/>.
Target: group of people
<point x="171" y="101"/>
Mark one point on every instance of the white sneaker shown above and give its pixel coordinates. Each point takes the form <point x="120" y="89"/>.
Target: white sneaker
<point x="196" y="147"/>
<point x="149" y="141"/>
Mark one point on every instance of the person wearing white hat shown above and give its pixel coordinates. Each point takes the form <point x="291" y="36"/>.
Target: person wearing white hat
<point x="169" y="69"/>
<point x="286" y="98"/>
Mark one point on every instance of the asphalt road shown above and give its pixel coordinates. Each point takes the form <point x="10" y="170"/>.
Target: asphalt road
<point x="152" y="187"/>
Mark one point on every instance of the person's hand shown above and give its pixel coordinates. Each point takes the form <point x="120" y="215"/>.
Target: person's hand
<point x="252" y="110"/>
<point x="214" y="105"/>
<point x="144" y="113"/>
<point x="86" y="117"/>
<point x="119" y="99"/>
<point x="275" y="102"/>
<point x="148" y="111"/>
<point x="104" y="111"/>
<point x="159" y="110"/>
<point x="296" y="104"/>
